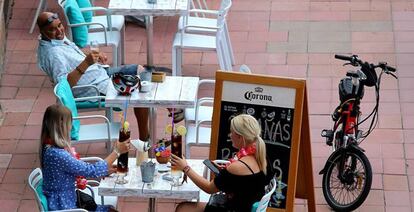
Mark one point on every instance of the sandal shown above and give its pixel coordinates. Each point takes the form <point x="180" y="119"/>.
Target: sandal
<point x="178" y="115"/>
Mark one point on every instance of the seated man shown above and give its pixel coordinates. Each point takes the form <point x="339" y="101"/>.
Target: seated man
<point x="58" y="56"/>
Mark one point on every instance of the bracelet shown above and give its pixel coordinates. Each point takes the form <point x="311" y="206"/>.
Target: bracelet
<point x="80" y="72"/>
<point x="117" y="152"/>
<point x="186" y="169"/>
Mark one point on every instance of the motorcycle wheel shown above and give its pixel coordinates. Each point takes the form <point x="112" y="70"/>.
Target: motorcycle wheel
<point x="350" y="192"/>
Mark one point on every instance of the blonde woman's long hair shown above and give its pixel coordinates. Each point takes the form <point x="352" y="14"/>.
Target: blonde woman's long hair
<point x="248" y="127"/>
<point x="56" y="125"/>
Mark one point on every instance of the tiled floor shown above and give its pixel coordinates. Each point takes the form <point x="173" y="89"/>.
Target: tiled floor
<point x="276" y="37"/>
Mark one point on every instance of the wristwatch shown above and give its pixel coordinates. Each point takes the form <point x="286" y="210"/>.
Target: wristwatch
<point x="117" y="152"/>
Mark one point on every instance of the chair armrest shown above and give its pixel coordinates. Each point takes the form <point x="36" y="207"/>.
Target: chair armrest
<point x="208" y="12"/>
<point x="92" y="23"/>
<point x="94" y="9"/>
<point x="200" y="102"/>
<point x="91" y="190"/>
<point x="198" y="124"/>
<point x="206" y="81"/>
<point x="93" y="117"/>
<point x="87" y="24"/>
<point x="81" y="99"/>
<point x="108" y="124"/>
<point x="207" y="172"/>
<point x="107" y="13"/>
<point x="204" y="100"/>
<point x="224" y="162"/>
<point x="202" y="27"/>
<point x="100" y="99"/>
<point x="93" y="183"/>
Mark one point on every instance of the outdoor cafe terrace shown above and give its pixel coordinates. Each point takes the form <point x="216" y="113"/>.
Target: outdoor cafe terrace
<point x="296" y="39"/>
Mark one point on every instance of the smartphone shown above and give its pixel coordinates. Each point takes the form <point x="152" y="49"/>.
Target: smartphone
<point x="211" y="166"/>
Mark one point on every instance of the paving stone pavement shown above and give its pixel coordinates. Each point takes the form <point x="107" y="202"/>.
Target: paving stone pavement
<point x="276" y="37"/>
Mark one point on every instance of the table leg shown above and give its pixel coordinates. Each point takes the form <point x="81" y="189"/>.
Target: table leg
<point x="150" y="30"/>
<point x="149" y="24"/>
<point x="153" y="129"/>
<point x="151" y="206"/>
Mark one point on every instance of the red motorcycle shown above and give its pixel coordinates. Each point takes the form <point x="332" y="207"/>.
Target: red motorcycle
<point x="347" y="174"/>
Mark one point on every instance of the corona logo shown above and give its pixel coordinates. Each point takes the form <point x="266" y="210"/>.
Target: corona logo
<point x="257" y="95"/>
<point x="258" y="90"/>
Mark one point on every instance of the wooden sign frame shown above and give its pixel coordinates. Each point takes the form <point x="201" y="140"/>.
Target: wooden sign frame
<point x="300" y="156"/>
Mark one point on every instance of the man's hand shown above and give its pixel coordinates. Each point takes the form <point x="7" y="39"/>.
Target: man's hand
<point x="140" y="69"/>
<point x="102" y="58"/>
<point x="92" y="58"/>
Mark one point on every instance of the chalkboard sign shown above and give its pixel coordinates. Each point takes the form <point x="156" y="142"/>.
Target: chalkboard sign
<point x="277" y="104"/>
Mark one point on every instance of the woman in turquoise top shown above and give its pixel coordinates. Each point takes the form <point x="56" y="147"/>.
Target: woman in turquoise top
<point x="60" y="167"/>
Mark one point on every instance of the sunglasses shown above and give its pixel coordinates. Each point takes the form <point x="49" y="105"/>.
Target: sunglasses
<point x="50" y="19"/>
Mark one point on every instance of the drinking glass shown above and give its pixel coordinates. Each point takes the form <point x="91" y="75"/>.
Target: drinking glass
<point x="122" y="165"/>
<point x="176" y="149"/>
<point x="94" y="47"/>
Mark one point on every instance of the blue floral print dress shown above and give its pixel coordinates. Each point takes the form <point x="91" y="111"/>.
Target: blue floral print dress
<point x="60" y="169"/>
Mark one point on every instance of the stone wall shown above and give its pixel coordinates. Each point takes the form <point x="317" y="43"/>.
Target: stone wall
<point x="5" y="8"/>
<point x="2" y="35"/>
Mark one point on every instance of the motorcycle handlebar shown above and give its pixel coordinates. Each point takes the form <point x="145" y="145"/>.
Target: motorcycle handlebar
<point x="391" y="69"/>
<point x="356" y="62"/>
<point x="343" y="57"/>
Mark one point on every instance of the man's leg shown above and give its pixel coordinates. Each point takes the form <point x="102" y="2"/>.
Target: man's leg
<point x="142" y="115"/>
<point x="131" y="69"/>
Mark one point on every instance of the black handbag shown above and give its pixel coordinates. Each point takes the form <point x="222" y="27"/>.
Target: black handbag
<point x="217" y="203"/>
<point x="85" y="201"/>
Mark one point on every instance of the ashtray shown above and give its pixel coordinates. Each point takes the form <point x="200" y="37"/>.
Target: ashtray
<point x="163" y="167"/>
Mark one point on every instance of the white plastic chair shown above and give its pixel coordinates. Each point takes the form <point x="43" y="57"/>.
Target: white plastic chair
<point x="198" y="119"/>
<point x="197" y="135"/>
<point x="36" y="177"/>
<point x="106" y="131"/>
<point x="264" y="202"/>
<point x="200" y="17"/>
<point x="198" y="122"/>
<point x="184" y="40"/>
<point x="197" y="4"/>
<point x="100" y="33"/>
<point x="203" y="109"/>
<point x="115" y="22"/>
<point x="40" y="8"/>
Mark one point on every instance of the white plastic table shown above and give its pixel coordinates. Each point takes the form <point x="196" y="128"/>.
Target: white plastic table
<point x="143" y="8"/>
<point x="174" y="92"/>
<point x="159" y="188"/>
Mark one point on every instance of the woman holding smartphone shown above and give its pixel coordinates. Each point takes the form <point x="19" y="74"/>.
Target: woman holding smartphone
<point x="243" y="180"/>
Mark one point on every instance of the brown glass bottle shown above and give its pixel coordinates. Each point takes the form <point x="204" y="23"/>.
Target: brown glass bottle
<point x="176" y="146"/>
<point x="122" y="165"/>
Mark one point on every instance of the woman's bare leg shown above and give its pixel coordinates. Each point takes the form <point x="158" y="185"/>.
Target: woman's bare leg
<point x="190" y="207"/>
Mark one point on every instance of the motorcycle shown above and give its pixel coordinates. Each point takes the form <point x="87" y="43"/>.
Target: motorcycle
<point x="347" y="174"/>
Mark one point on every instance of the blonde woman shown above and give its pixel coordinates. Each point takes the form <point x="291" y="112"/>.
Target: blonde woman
<point x="60" y="167"/>
<point x="243" y="180"/>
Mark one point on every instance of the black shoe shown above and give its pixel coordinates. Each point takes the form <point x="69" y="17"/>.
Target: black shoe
<point x="138" y="20"/>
